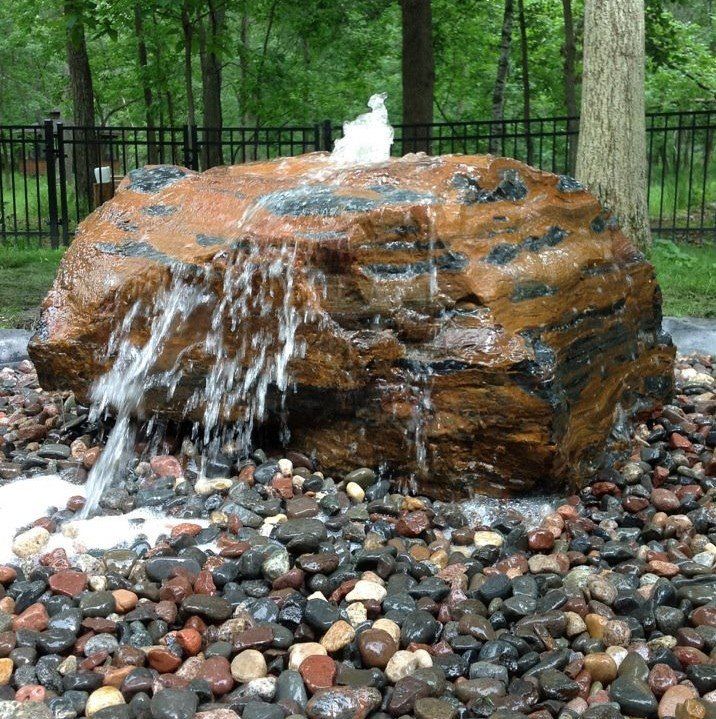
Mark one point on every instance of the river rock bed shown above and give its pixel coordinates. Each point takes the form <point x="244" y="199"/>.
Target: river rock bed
<point x="280" y="592"/>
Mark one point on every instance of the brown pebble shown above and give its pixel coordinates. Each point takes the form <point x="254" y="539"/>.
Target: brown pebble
<point x="189" y="640"/>
<point x="376" y="647"/>
<point x="318" y="672"/>
<point x="30" y="693"/>
<point x="163" y="660"/>
<point x="540" y="540"/>
<point x="217" y="671"/>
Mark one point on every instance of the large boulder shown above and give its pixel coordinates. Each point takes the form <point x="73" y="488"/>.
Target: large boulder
<point x="481" y="325"/>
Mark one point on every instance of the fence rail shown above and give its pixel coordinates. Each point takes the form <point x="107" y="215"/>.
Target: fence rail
<point x="52" y="175"/>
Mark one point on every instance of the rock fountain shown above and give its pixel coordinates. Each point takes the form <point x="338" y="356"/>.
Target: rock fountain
<point x="475" y="323"/>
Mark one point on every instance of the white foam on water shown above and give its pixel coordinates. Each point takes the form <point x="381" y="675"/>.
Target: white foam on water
<point x="109" y="532"/>
<point x="487" y="510"/>
<point x="25" y="500"/>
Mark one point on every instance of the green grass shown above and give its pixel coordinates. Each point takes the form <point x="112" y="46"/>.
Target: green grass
<point x="687" y="274"/>
<point x="25" y="277"/>
<point x="668" y="200"/>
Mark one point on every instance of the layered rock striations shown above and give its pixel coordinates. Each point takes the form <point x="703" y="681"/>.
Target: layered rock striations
<point x="469" y="320"/>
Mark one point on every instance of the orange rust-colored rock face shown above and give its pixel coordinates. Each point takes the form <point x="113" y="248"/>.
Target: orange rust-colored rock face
<point x="487" y="313"/>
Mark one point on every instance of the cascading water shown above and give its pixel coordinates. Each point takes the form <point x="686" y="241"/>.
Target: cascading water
<point x="131" y="375"/>
<point x="252" y="336"/>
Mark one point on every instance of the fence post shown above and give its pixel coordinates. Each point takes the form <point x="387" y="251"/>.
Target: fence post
<point x="316" y="137"/>
<point x="61" y="157"/>
<point x="194" y="147"/>
<point x="51" y="185"/>
<point x="186" y="136"/>
<point x="327" y="135"/>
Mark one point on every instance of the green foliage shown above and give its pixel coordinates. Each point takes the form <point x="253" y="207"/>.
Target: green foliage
<point x="297" y="62"/>
<point x="681" y="67"/>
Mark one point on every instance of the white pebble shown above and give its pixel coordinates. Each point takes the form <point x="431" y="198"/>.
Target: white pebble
<point x="425" y="661"/>
<point x="387" y="625"/>
<point x="401" y="664"/>
<point x="366" y="591"/>
<point x="486" y="538"/>
<point x="205" y="486"/>
<point x="357" y="613"/>
<point x="30" y="542"/>
<point x="355" y="492"/>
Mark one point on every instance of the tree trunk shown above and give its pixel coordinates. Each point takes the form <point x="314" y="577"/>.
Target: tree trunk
<point x="570" y="84"/>
<point x="611" y="157"/>
<point x="524" y="59"/>
<point x="188" y="36"/>
<point x="418" y="74"/>
<point x="85" y="149"/>
<point x="244" y="66"/>
<point x="211" y="37"/>
<point x="170" y="107"/>
<point x="146" y="84"/>
<point x="503" y="68"/>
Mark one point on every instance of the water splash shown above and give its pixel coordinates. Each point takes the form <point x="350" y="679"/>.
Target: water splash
<point x="255" y="315"/>
<point x="368" y="138"/>
<point x="125" y="384"/>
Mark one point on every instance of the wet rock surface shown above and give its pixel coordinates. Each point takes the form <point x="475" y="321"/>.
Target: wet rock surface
<point x="480" y="324"/>
<point x="388" y="605"/>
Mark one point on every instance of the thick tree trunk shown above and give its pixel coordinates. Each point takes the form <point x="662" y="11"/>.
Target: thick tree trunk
<point x="570" y="84"/>
<point x="611" y="158"/>
<point x="211" y="37"/>
<point x="418" y="74"/>
<point x="526" y="95"/>
<point x="149" y="109"/>
<point x="85" y="149"/>
<point x="503" y="69"/>
<point x="188" y="37"/>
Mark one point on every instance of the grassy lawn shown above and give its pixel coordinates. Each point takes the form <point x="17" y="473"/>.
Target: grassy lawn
<point x="25" y="277"/>
<point x="687" y="274"/>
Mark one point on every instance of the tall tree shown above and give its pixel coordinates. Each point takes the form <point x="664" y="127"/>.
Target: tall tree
<point x="418" y="73"/>
<point x="611" y="158"/>
<point x="187" y="24"/>
<point x="526" y="93"/>
<point x="85" y="147"/>
<point x="503" y="69"/>
<point x="143" y="60"/>
<point x="570" y="82"/>
<point x="212" y="38"/>
<point x="244" y="65"/>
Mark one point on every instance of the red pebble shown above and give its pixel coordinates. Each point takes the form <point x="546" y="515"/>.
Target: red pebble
<point x="318" y="672"/>
<point x="30" y="693"/>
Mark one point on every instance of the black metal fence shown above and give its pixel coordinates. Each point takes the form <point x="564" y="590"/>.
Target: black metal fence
<point x="51" y="175"/>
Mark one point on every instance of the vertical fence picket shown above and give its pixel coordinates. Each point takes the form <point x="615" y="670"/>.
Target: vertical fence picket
<point x="62" y="173"/>
<point x="51" y="185"/>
